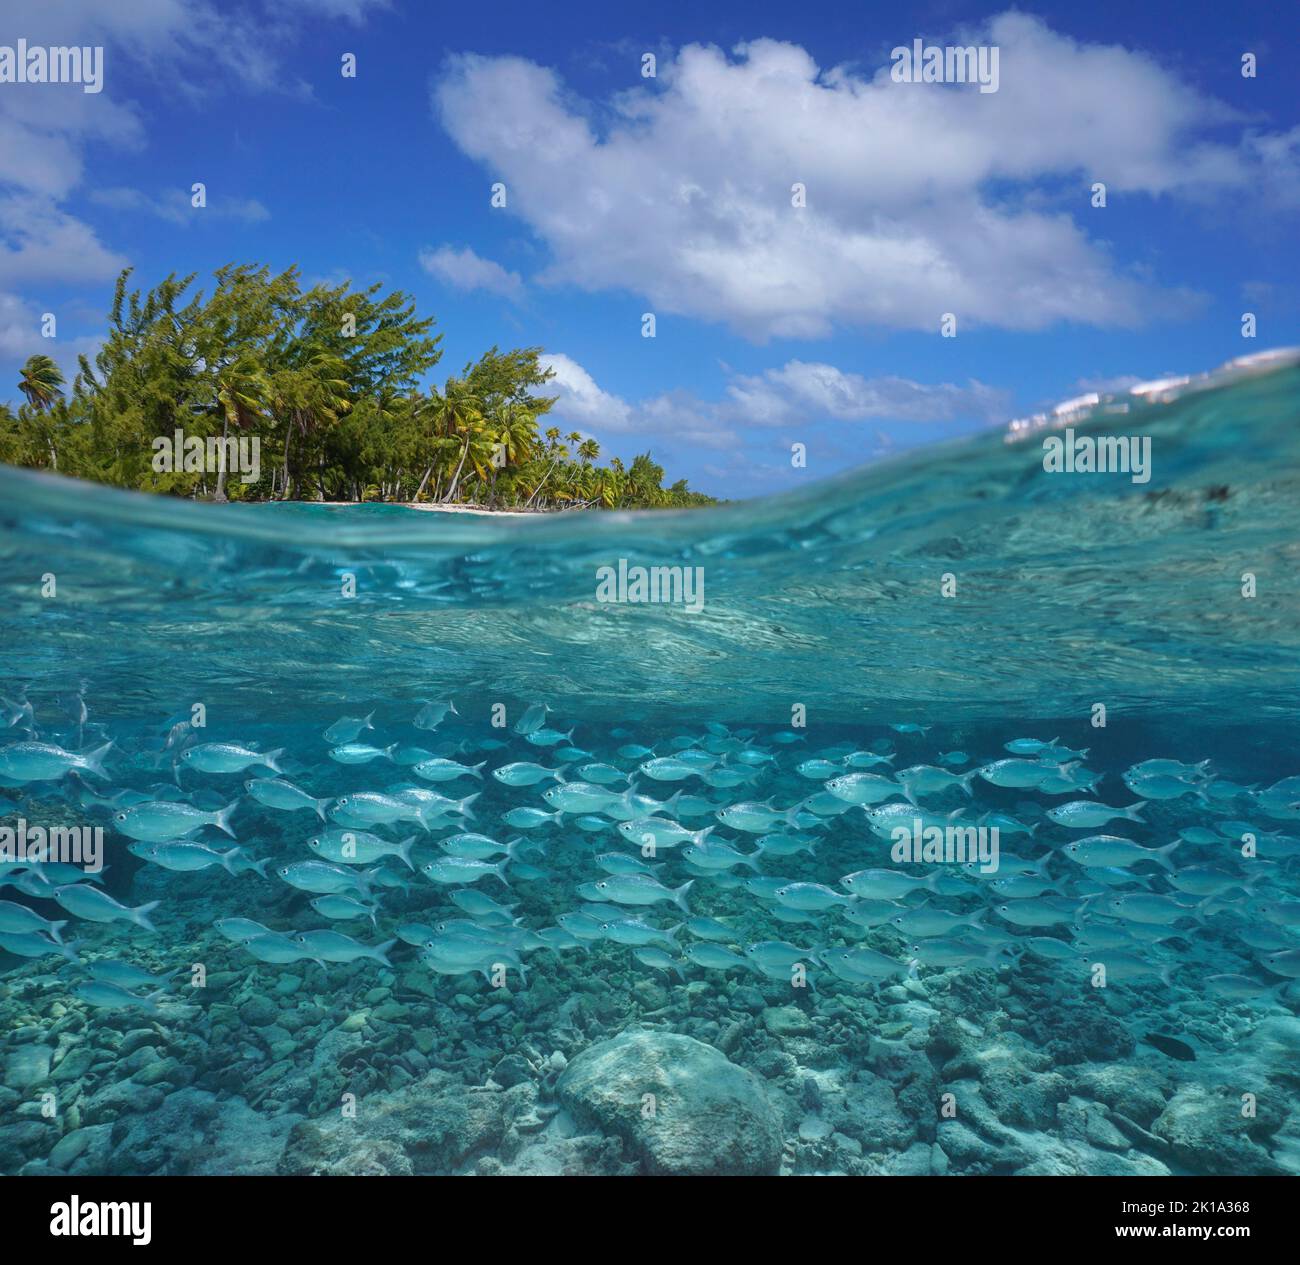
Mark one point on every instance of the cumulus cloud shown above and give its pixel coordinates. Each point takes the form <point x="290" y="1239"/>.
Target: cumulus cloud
<point x="802" y="391"/>
<point x="41" y="243"/>
<point x="921" y="198"/>
<point x="20" y="337"/>
<point x="796" y="393"/>
<point x="197" y="46"/>
<point x="466" y="270"/>
<point x="580" y="399"/>
<point x="246" y="43"/>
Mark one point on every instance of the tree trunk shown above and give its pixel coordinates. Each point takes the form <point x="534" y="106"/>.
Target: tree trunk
<point x="542" y="484"/>
<point x="288" y="434"/>
<point x="220" y="493"/>
<point x="455" y="478"/>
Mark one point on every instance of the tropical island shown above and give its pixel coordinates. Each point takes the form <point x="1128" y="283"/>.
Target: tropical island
<point x="327" y="382"/>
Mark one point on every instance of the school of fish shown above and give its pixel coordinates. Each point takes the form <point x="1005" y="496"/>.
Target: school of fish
<point x="481" y="848"/>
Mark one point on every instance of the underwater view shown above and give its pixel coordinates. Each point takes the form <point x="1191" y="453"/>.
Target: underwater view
<point x="941" y="818"/>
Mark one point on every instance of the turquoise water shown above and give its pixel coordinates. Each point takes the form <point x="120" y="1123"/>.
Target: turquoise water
<point x="947" y="1043"/>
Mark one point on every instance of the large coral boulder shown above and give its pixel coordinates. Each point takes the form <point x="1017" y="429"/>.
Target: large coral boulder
<point x="1207" y="1132"/>
<point x="681" y="1107"/>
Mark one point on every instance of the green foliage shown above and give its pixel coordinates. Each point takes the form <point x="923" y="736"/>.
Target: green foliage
<point x="327" y="380"/>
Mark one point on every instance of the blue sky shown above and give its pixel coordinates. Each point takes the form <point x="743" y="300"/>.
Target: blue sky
<point x="672" y="195"/>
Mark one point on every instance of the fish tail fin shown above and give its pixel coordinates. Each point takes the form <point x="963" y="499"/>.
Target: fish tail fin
<point x="670" y="804"/>
<point x="513" y="847"/>
<point x="679" y="896"/>
<point x="364" y="878"/>
<point x="1133" y="811"/>
<point x="228" y="858"/>
<point x="451" y="707"/>
<point x="369" y="717"/>
<point x="702" y="835"/>
<point x="1161" y="855"/>
<point x="320" y="805"/>
<point x="140" y="915"/>
<point x="69" y="950"/>
<point x="500" y="871"/>
<point x="381" y="952"/>
<point x="966" y="779"/>
<point x="56" y="930"/>
<point x="464" y="806"/>
<point x="388" y="751"/>
<point x="93" y="761"/>
<point x="476" y="770"/>
<point x="272" y="760"/>
<point x="671" y="935"/>
<point x="223" y="818"/>
<point x="404" y="850"/>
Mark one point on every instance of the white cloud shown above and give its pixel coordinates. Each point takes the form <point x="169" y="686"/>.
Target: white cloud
<point x="194" y="47"/>
<point x="797" y="393"/>
<point x="465" y="270"/>
<point x="189" y="40"/>
<point x="800" y="391"/>
<point x="20" y="337"/>
<point x="580" y="399"/>
<point x="175" y="205"/>
<point x="921" y="199"/>
<point x="41" y="243"/>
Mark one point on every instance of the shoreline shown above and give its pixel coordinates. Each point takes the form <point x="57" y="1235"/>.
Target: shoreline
<point x="429" y="507"/>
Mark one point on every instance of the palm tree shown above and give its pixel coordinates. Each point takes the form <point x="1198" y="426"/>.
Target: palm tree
<point x="556" y="451"/>
<point x="242" y="390"/>
<point x="458" y="412"/>
<point x="41" y="381"/>
<point x="514" y="432"/>
<point x="308" y="397"/>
